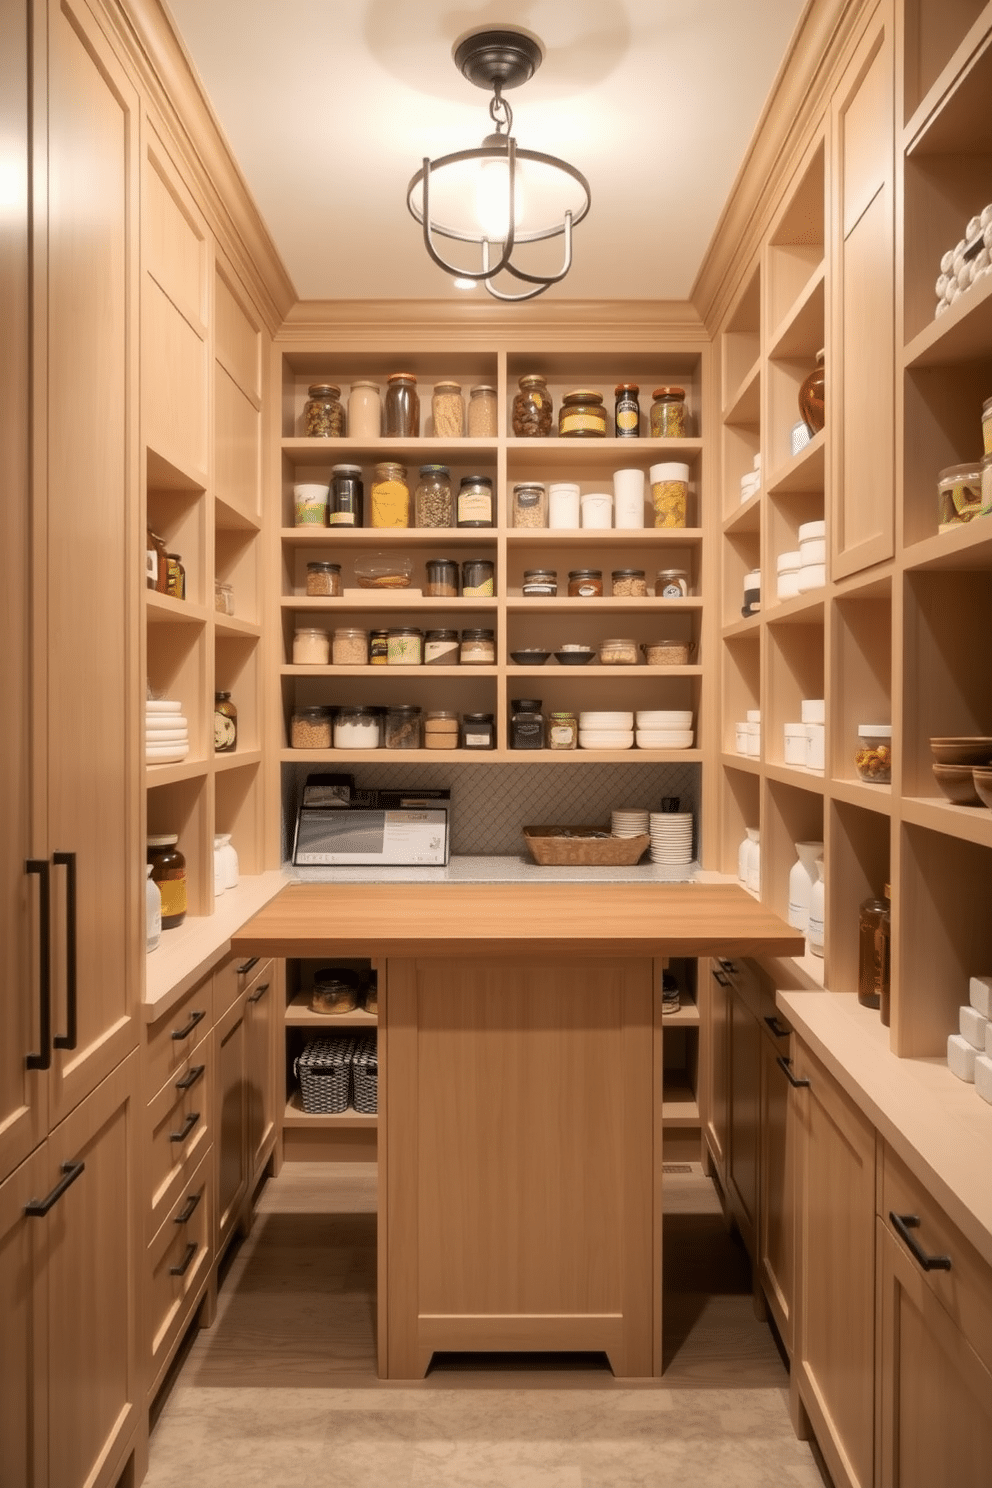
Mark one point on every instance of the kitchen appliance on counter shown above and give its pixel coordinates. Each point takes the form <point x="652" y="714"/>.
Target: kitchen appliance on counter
<point x="339" y="825"/>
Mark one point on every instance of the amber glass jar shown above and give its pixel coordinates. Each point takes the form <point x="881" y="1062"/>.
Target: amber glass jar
<point x="812" y="404"/>
<point x="532" y="411"/>
<point x="585" y="583"/>
<point x="582" y="415"/>
<point x="668" y="419"/>
<point x="323" y="412"/>
<point x="169" y="874"/>
<point x="401" y="414"/>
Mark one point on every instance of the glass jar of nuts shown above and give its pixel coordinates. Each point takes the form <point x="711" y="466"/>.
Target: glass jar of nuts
<point x="630" y="583"/>
<point x="532" y="411"/>
<point x="433" y="503"/>
<point x="323" y="412"/>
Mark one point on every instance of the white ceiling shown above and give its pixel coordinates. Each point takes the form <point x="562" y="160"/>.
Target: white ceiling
<point x="329" y="107"/>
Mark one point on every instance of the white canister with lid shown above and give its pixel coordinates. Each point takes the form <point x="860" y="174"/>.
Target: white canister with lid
<point x="787" y="572"/>
<point x="796" y="744"/>
<point x="563" y="504"/>
<point x="220" y="880"/>
<point x="801" y="880"/>
<point x="813" y="542"/>
<point x="229" y="857"/>
<point x="816" y="746"/>
<point x="597" y="509"/>
<point x="628" y="498"/>
<point x="752" y="861"/>
<point x="153" y="911"/>
<point x="812" y="576"/>
<point x="815" y="931"/>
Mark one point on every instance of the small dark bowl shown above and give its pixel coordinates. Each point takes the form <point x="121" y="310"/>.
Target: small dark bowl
<point x="529" y="658"/>
<point x="957" y="784"/>
<point x="574" y="658"/>
<point x="982" y="775"/>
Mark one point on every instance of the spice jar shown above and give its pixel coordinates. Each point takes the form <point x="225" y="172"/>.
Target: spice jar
<point x="540" y="583"/>
<point x="346" y="497"/>
<point x="441" y="648"/>
<point x="873" y="951"/>
<point x="156" y="563"/>
<point x="378" y="647"/>
<point x="873" y="760"/>
<point x="402" y="727"/>
<point x="364" y="411"/>
<point x="223" y="598"/>
<point x="629" y="583"/>
<point x="441" y="730"/>
<point x="323" y="579"/>
<point x="475" y="501"/>
<point x="175" y="576"/>
<point x="225" y="724"/>
<point x="478" y="648"/>
<point x="350" y="647"/>
<point x="532" y="410"/>
<point x="169" y="874"/>
<point x="482" y="412"/>
<point x="390" y="495"/>
<point x="311" y="646"/>
<point x="405" y="646"/>
<point x="526" y="724"/>
<point x="310" y="728"/>
<point x="563" y="731"/>
<point x="627" y="410"/>
<point x="478" y="731"/>
<point x="448" y="411"/>
<point x="671" y="583"/>
<point x="478" y="578"/>
<point x="585" y="583"/>
<point x="618" y="652"/>
<point x="323" y="413"/>
<point x="401" y="415"/>
<point x="582" y="415"/>
<point x="432" y="501"/>
<point x="668" y="419"/>
<point x="356" y="726"/>
<point x="442" y="578"/>
<point x="530" y="506"/>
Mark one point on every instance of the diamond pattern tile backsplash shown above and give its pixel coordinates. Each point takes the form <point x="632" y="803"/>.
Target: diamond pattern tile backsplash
<point x="490" y="804"/>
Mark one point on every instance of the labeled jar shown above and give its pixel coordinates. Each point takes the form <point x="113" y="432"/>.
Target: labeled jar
<point x="873" y="952"/>
<point x="671" y="583"/>
<point x="620" y="651"/>
<point x="156" y="563"/>
<point x="540" y="583"/>
<point x="532" y="410"/>
<point x="405" y="646"/>
<point x="441" y="730"/>
<point x="582" y="415"/>
<point x="309" y="504"/>
<point x="448" y="412"/>
<point x="364" y="410"/>
<point x="433" y="504"/>
<point x="526" y="724"/>
<point x="668" y="419"/>
<point x="529" y="507"/>
<point x="627" y="410"/>
<point x="442" y="578"/>
<point x="402" y="727"/>
<point x="323" y="579"/>
<point x="441" y="648"/>
<point x="629" y="583"/>
<point x="378" y="647"/>
<point x="356" y="726"/>
<point x="225" y="724"/>
<point x="478" y="731"/>
<point x="346" y="497"/>
<point x="563" y="504"/>
<point x="311" y="646"/>
<point x="563" y="731"/>
<point x="475" y="501"/>
<point x="478" y="648"/>
<point x="390" y="495"/>
<point x="585" y="583"/>
<point x="175" y="583"/>
<point x="670" y="493"/>
<point x="482" y="412"/>
<point x="478" y="578"/>
<point x="169" y="875"/>
<point x="350" y="647"/>
<point x="323" y="412"/>
<point x="873" y="759"/>
<point x="401" y="414"/>
<point x="310" y="728"/>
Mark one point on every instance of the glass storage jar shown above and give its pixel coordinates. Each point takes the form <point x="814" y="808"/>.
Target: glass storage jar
<point x="529" y="507"/>
<point x="156" y="563"/>
<point x="323" y="578"/>
<point x="310" y="728"/>
<point x="225" y="724"/>
<point x="448" y="411"/>
<point x="670" y="493"/>
<point x="441" y="648"/>
<point x="478" y="578"/>
<point x="378" y="647"/>
<point x="668" y="419"/>
<point x="873" y="760"/>
<point x="812" y="401"/>
<point x="526" y="724"/>
<point x="478" y="648"/>
<point x="350" y="647"/>
<point x="478" y="731"/>
<point x="540" y="583"/>
<point x="433" y="505"/>
<point x="441" y="730"/>
<point x="959" y="494"/>
<point x="627" y="410"/>
<point x="585" y="583"/>
<point x="402" y="726"/>
<point x="169" y="874"/>
<point x="323" y="412"/>
<point x="401" y="415"/>
<point x="482" y="412"/>
<point x="532" y="409"/>
<point x="475" y="501"/>
<point x="223" y="598"/>
<point x="346" y="497"/>
<point x="873" y="951"/>
<point x="671" y="583"/>
<point x="176" y="576"/>
<point x="364" y="410"/>
<point x="620" y="651"/>
<point x="629" y="583"/>
<point x="311" y="646"/>
<point x="405" y="646"/>
<point x="582" y="415"/>
<point x="563" y="731"/>
<point x="357" y="726"/>
<point x="442" y="578"/>
<point x="390" y="495"/>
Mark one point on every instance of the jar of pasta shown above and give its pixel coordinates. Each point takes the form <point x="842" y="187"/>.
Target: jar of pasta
<point x="448" y="411"/>
<point x="670" y="493"/>
<point x="390" y="495"/>
<point x="668" y="419"/>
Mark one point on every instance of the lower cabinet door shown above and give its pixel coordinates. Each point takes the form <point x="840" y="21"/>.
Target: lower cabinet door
<point x="23" y="1331"/>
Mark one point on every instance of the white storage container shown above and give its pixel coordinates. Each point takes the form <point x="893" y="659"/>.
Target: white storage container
<point x="795" y="744"/>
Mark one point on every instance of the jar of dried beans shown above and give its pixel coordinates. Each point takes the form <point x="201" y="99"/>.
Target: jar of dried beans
<point x="432" y="502"/>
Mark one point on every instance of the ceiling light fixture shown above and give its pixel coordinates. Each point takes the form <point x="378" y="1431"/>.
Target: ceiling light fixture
<point x="499" y="196"/>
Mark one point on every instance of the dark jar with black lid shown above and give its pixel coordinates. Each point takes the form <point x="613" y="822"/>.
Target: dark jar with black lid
<point x="526" y="724"/>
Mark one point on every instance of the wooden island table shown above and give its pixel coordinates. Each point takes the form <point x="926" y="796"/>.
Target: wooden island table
<point x="520" y="1094"/>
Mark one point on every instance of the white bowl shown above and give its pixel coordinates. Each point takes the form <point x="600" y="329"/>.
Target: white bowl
<point x="612" y="721"/>
<point x="166" y="736"/>
<point x="664" y="738"/>
<point x="659" y="718"/>
<point x="160" y="723"/>
<point x="606" y="738"/>
<point x="162" y="705"/>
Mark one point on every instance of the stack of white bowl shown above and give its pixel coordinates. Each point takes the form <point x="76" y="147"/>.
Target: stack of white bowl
<point x="671" y="837"/>
<point x="611" y="730"/>
<point x="166" y="732"/>
<point x="661" y="728"/>
<point x="626" y="821"/>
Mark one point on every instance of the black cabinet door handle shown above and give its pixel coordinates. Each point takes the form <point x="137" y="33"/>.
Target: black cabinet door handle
<point x="186" y="1261"/>
<point x="70" y="1172"/>
<point x="183" y="1033"/>
<point x="246" y="966"/>
<point x="43" y="1060"/>
<point x="186" y="1128"/>
<point x="257" y="996"/>
<point x="904" y="1224"/>
<point x="67" y="860"/>
<point x="776" y="1027"/>
<point x="186" y="1214"/>
<point x="786" y="1065"/>
<point x="190" y="1078"/>
<point x="718" y="976"/>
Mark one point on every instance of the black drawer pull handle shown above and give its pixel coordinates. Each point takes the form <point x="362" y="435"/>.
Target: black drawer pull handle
<point x="718" y="976"/>
<point x="183" y="1033"/>
<point x="904" y="1224"/>
<point x="786" y="1065"/>
<point x="257" y="996"/>
<point x="43" y="1060"/>
<point x="246" y="966"/>
<point x="67" y="860"/>
<point x="39" y="1207"/>
<point x="186" y="1261"/>
<point x="186" y="1128"/>
<point x="187" y="1214"/>
<point x="189" y="1080"/>
<point x="776" y="1027"/>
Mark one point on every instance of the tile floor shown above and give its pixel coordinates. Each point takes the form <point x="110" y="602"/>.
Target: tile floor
<point x="282" y="1392"/>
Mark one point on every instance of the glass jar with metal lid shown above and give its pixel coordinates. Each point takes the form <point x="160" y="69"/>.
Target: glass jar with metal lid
<point x="478" y="731"/>
<point x="529" y="507"/>
<point x="441" y="730"/>
<point x="618" y="651"/>
<point x="432" y="501"/>
<point x="442" y="578"/>
<point x="323" y="412"/>
<point x="350" y="646"/>
<point x="582" y="415"/>
<point x="311" y="646"/>
<point x="629" y="583"/>
<point x="478" y="578"/>
<point x="390" y="495"/>
<point x="310" y="728"/>
<point x="405" y="646"/>
<point x="540" y="582"/>
<point x="475" y="501"/>
<point x="448" y="411"/>
<point x="668" y="418"/>
<point x="346" y="497"/>
<point x="627" y="410"/>
<point x="378" y="647"/>
<point x="563" y="731"/>
<point x="526" y="724"/>
<point x="585" y="583"/>
<point x="671" y="583"/>
<point x="401" y="414"/>
<point x="532" y="408"/>
<point x="169" y="874"/>
<point x="323" y="579"/>
<point x="478" y="648"/>
<point x="225" y="724"/>
<point x="482" y="412"/>
<point x="402" y="726"/>
<point x="441" y="648"/>
<point x="357" y="726"/>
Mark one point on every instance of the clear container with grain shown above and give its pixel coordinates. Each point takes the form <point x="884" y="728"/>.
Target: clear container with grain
<point x="448" y="411"/>
<point x="670" y="493"/>
<point x="310" y="728"/>
<point x="323" y="579"/>
<point x="402" y="727"/>
<point x="405" y="646"/>
<point x="323" y="412"/>
<point x="629" y="583"/>
<point x="441" y="648"/>
<point x="390" y="498"/>
<point x="311" y="646"/>
<point x="442" y="578"/>
<point x="873" y="758"/>
<point x="529" y="506"/>
<point x="668" y="416"/>
<point x="482" y="412"/>
<point x="667" y="653"/>
<point x="350" y="647"/>
<point x="441" y="730"/>
<point x="357" y="726"/>
<point x="619" y="651"/>
<point x="478" y="648"/>
<point x="433" y="503"/>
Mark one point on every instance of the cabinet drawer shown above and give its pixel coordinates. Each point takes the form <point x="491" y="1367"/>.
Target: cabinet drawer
<point x="171" y="1040"/>
<point x="178" y="1260"/>
<point x="965" y="1291"/>
<point x="235" y="975"/>
<point x="179" y="1128"/>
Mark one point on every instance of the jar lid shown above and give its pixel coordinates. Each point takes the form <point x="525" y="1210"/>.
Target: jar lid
<point x="401" y="377"/>
<point x="874" y="731"/>
<point x="786" y="561"/>
<point x="307" y="630"/>
<point x="363" y="383"/>
<point x="583" y="395"/>
<point x="672" y="642"/>
<point x="448" y="386"/>
<point x="970" y="470"/>
<point x="525" y="705"/>
<point x="562" y="716"/>
<point x="482" y="387"/>
<point x="344" y="630"/>
<point x="346" y="469"/>
<point x="398" y="630"/>
<point x="585" y="573"/>
<point x="323" y="568"/>
<point x="442" y="635"/>
<point x="478" y="635"/>
<point x="374" y="633"/>
<point x="435" y="470"/>
<point x="625" y="641"/>
<point x="540" y="573"/>
<point x="165" y="839"/>
<point x="529" y="486"/>
<point x="445" y="562"/>
<point x="624" y="387"/>
<point x="324" y="390"/>
<point x="669" y="470"/>
<point x="347" y="710"/>
<point x="636" y="573"/>
<point x="440" y="713"/>
<point x="390" y="470"/>
<point x="222" y="697"/>
<point x="533" y="379"/>
<point x="752" y="580"/>
<point x="478" y="717"/>
<point x="811" y="530"/>
<point x="672" y="573"/>
<point x="669" y="391"/>
<point x="476" y="480"/>
<point x="316" y="712"/>
<point x="406" y="709"/>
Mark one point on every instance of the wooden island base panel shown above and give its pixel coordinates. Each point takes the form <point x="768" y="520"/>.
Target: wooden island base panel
<point x="520" y="1095"/>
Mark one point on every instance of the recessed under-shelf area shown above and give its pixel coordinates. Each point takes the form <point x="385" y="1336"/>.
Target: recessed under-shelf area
<point x="861" y="670"/>
<point x="791" y="814"/>
<point x="858" y="869"/>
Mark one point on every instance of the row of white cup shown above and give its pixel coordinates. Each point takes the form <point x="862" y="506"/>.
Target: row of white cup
<point x="623" y="507"/>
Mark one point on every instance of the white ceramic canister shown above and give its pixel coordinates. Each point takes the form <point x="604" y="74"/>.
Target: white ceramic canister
<point x="787" y="575"/>
<point x="153" y="911"/>
<point x="812" y="543"/>
<point x="740" y="737"/>
<point x="812" y="576"/>
<point x="597" y="509"/>
<point x="796" y="744"/>
<point x="628" y="498"/>
<point x="563" y="504"/>
<point x="220" y="882"/>
<point x="801" y="880"/>
<point x="230" y="862"/>
<point x="813" y="710"/>
<point x="816" y="746"/>
<point x="753" y="861"/>
<point x="753" y="727"/>
<point x="815" y="933"/>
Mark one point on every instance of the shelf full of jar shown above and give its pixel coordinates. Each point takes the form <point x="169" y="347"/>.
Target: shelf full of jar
<point x="497" y="756"/>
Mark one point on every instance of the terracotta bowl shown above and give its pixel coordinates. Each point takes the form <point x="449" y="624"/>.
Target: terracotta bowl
<point x="962" y="751"/>
<point x="957" y="784"/>
<point x="982" y="775"/>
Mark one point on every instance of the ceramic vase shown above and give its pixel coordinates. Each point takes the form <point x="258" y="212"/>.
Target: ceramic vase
<point x="801" y="880"/>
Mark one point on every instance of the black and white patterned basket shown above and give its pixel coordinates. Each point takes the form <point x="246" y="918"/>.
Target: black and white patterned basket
<point x="324" y="1073"/>
<point x="365" y="1068"/>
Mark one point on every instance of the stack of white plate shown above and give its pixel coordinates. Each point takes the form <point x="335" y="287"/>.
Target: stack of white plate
<point x="166" y="732"/>
<point x="609" y="730"/>
<point x="627" y="822"/>
<point x="661" y="728"/>
<point x="671" y="837"/>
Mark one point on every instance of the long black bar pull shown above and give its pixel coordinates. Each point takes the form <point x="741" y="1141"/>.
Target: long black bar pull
<point x="70" y="1172"/>
<point x="67" y="1040"/>
<point x="43" y="1061"/>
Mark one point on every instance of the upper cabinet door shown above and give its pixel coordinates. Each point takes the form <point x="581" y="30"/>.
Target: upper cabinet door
<point x="861" y="355"/>
<point x="92" y="547"/>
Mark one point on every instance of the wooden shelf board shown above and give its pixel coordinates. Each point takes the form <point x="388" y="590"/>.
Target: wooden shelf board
<point x="187" y="769"/>
<point x="562" y="605"/>
<point x="295" y="1116"/>
<point x="877" y="584"/>
<point x="378" y="600"/>
<point x="679" y="1106"/>
<point x="601" y="536"/>
<point x="796" y="775"/>
<point x="802" y="325"/>
<point x="969" y="823"/>
<point x="686" y="1017"/>
<point x="859" y="793"/>
<point x="420" y="451"/>
<point x="968" y="548"/>
<point x="238" y="759"/>
<point x="299" y="1014"/>
<point x="397" y="672"/>
<point x="388" y="537"/>
<point x="235" y="629"/>
<point x="749" y="625"/>
<point x="595" y="669"/>
<point x="747" y="517"/>
<point x="963" y="334"/>
<point x="229" y="519"/>
<point x="346" y="758"/>
<point x="164" y="476"/>
<point x="749" y="762"/>
<point x="802" y="473"/>
<point x="955" y="106"/>
<point x="744" y="408"/>
<point x="804" y="609"/>
<point x="585" y="451"/>
<point x="162" y="609"/>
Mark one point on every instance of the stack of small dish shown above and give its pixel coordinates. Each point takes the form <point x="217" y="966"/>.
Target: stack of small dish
<point x="963" y="769"/>
<point x="166" y="732"/>
<point x="671" y="837"/>
<point x="664" y="729"/>
<point x="626" y="822"/>
<point x="611" y="730"/>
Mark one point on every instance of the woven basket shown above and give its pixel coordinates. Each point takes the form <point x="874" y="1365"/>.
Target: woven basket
<point x="580" y="849"/>
<point x="324" y="1073"/>
<point x="365" y="1073"/>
